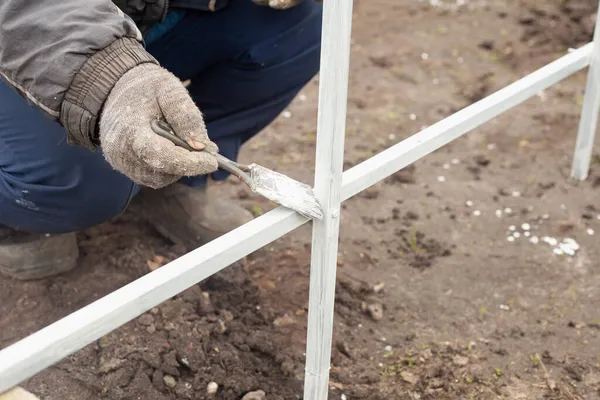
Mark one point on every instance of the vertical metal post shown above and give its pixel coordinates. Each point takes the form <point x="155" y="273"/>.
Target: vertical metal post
<point x="589" y="112"/>
<point x="333" y="95"/>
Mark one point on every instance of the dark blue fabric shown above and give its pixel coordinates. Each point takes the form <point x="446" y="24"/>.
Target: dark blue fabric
<point x="160" y="29"/>
<point x="246" y="64"/>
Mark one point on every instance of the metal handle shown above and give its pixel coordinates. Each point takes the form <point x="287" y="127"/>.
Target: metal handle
<point x="163" y="129"/>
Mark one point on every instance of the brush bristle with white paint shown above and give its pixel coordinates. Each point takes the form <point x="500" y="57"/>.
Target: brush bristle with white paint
<point x="285" y="191"/>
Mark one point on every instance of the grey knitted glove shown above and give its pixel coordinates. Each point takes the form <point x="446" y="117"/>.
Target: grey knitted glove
<point x="146" y="93"/>
<point x="280" y="4"/>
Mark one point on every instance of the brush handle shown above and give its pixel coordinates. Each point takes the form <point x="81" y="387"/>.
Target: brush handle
<point x="163" y="129"/>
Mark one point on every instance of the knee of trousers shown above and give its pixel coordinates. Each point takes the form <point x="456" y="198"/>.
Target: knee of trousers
<point x="74" y="201"/>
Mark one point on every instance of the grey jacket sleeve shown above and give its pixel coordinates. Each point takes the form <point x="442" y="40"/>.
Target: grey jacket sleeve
<point x="64" y="57"/>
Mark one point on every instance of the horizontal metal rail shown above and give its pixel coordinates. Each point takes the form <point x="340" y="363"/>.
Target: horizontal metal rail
<point x="49" y="345"/>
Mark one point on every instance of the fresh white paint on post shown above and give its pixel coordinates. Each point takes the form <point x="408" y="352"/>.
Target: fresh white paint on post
<point x="29" y="356"/>
<point x="331" y="131"/>
<point x="589" y="113"/>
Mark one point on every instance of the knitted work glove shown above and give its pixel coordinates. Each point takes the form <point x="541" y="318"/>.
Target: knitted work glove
<point x="280" y="4"/>
<point x="146" y="93"/>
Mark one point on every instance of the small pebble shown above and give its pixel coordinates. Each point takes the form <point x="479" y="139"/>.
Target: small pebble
<point x="460" y="360"/>
<point x="517" y="235"/>
<point x="212" y="388"/>
<point x="526" y="233"/>
<point x="568" y="250"/>
<point x="343" y="397"/>
<point x="146" y="319"/>
<point x="392" y="136"/>
<point x="441" y="179"/>
<point x="590" y="231"/>
<point x="220" y="327"/>
<point x="375" y="311"/>
<point x="508" y="210"/>
<point x="571" y="242"/>
<point x="456" y="161"/>
<point x="545" y="216"/>
<point x="302" y="97"/>
<point x="409" y="377"/>
<point x="542" y="95"/>
<point x="388" y="348"/>
<point x="286" y="114"/>
<point x="477" y="213"/>
<point x="469" y="203"/>
<point x="516" y="194"/>
<point x="412" y="117"/>
<point x="499" y="213"/>
<point x="257" y="395"/>
<point x="526" y="226"/>
<point x="504" y="307"/>
<point x="424" y="56"/>
<point x="512" y="228"/>
<point x="169" y="381"/>
<point x="534" y="240"/>
<point x="510" y="239"/>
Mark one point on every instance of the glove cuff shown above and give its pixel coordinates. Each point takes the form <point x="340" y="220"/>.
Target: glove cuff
<point x="91" y="86"/>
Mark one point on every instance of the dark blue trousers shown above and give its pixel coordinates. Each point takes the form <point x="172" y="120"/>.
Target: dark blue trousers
<point x="246" y="64"/>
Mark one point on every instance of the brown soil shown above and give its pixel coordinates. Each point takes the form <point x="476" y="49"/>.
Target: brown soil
<point x="433" y="301"/>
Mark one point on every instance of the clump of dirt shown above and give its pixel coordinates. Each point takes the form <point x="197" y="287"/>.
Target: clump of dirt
<point x="557" y="25"/>
<point x="405" y="175"/>
<point x="419" y="251"/>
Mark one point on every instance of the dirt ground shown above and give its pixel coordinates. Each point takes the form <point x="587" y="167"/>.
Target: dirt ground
<point x="453" y="282"/>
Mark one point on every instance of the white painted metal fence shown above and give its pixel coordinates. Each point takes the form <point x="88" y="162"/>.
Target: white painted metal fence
<point x="29" y="356"/>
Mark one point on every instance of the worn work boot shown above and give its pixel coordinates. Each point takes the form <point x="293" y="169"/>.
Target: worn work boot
<point x="28" y="256"/>
<point x="190" y="216"/>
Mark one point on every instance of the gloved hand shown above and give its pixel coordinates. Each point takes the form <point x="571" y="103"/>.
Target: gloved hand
<point x="146" y="93"/>
<point x="280" y="4"/>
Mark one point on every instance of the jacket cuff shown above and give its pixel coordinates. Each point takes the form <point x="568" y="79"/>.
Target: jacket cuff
<point x="80" y="110"/>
